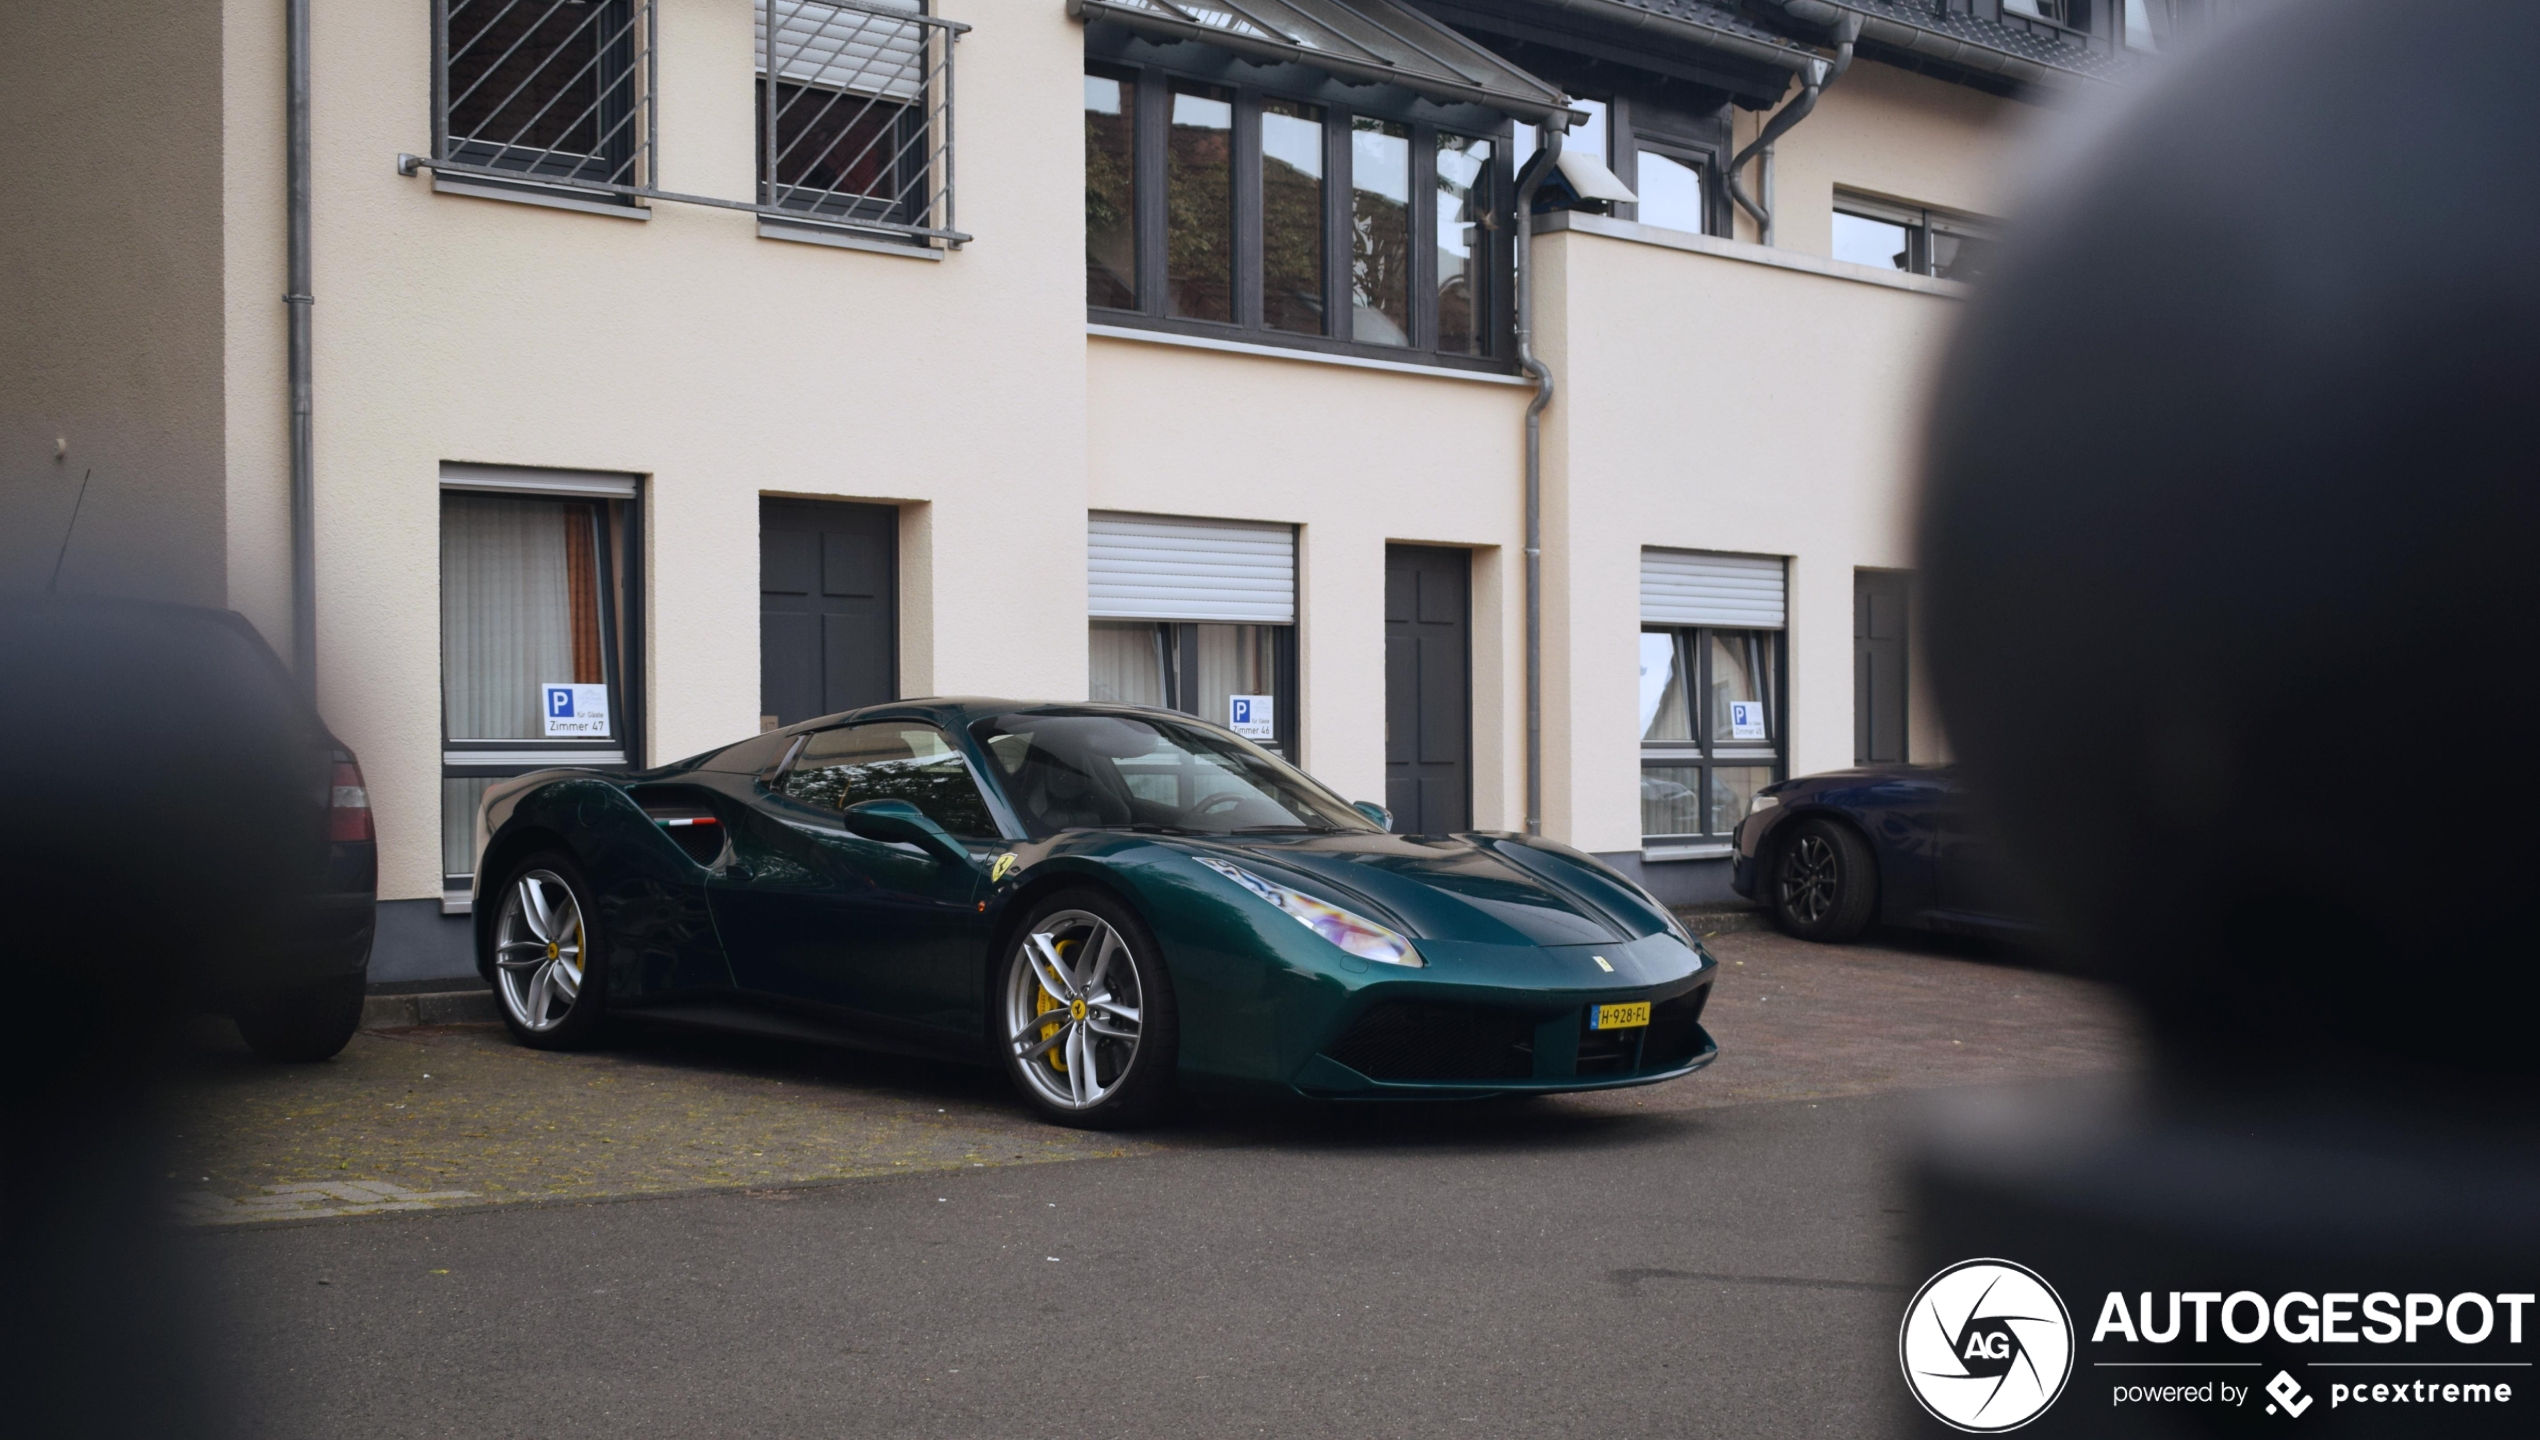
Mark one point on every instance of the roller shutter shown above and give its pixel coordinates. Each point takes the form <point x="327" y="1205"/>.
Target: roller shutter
<point x="1693" y="587"/>
<point x="1152" y="568"/>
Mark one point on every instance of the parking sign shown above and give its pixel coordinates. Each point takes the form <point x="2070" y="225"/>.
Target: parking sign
<point x="1251" y="716"/>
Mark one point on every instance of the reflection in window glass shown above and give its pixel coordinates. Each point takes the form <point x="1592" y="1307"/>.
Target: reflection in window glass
<point x="1380" y="231"/>
<point x="1959" y="257"/>
<point x="1670" y="193"/>
<point x="1865" y="241"/>
<point x="1671" y="800"/>
<point x="1127" y="663"/>
<point x="1111" y="193"/>
<point x="1732" y="786"/>
<point x="1663" y="713"/>
<point x="892" y="760"/>
<point x="1292" y="216"/>
<point x="1199" y="226"/>
<point x="1464" y="204"/>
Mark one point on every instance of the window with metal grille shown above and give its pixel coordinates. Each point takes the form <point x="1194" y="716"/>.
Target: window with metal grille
<point x="557" y="90"/>
<point x="852" y="119"/>
<point x="854" y="108"/>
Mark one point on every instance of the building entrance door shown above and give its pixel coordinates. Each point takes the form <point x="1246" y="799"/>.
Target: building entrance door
<point x="1879" y="600"/>
<point x="1428" y="689"/>
<point x="828" y="608"/>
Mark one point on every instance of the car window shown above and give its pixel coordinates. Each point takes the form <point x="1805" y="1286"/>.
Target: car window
<point x="1066" y="770"/>
<point x="891" y="760"/>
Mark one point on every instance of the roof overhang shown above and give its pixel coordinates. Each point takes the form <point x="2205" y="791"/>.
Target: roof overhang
<point x="1381" y="42"/>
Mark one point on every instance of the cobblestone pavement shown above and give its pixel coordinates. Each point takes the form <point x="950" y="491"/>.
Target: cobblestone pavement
<point x="460" y="1116"/>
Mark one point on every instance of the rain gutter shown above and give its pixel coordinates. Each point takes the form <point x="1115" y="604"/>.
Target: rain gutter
<point x="1927" y="44"/>
<point x="298" y="302"/>
<point x="1543" y="163"/>
<point x="1621" y="16"/>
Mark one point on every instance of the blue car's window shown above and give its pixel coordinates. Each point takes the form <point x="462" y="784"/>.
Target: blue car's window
<point x="891" y="760"/>
<point x="1072" y="770"/>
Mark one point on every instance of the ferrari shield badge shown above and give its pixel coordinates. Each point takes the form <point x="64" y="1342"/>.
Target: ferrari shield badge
<point x="1003" y="867"/>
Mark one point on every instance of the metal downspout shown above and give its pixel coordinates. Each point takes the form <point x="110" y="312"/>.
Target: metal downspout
<point x="1813" y="82"/>
<point x="1535" y="170"/>
<point x="297" y="301"/>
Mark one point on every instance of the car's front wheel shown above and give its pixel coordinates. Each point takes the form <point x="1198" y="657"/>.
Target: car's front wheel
<point x="1825" y="882"/>
<point x="548" y="955"/>
<point x="1085" y="1015"/>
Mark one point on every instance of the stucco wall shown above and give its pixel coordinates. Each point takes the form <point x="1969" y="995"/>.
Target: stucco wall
<point x="1357" y="459"/>
<point x="718" y="365"/>
<point x="1890" y="132"/>
<point x="1713" y="402"/>
<point x="110" y="296"/>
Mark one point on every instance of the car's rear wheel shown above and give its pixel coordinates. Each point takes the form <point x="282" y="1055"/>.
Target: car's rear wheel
<point x="1825" y="882"/>
<point x="1085" y="1013"/>
<point x="548" y="955"/>
<point x="308" y="1025"/>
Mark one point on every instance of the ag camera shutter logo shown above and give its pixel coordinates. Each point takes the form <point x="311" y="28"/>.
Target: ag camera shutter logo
<point x="1986" y="1346"/>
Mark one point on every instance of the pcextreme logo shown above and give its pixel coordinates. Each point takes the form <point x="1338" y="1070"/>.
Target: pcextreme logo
<point x="1986" y="1346"/>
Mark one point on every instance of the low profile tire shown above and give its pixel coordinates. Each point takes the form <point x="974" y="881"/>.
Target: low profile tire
<point x="1084" y="1014"/>
<point x="313" y="1024"/>
<point x="1825" y="883"/>
<point x="549" y="957"/>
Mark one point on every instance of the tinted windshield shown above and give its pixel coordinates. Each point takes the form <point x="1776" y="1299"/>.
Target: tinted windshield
<point x="1083" y="770"/>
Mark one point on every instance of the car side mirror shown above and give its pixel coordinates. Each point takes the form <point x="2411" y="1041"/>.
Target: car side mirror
<point x="1373" y="811"/>
<point x="899" y="822"/>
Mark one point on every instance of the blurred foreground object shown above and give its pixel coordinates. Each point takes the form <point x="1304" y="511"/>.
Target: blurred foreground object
<point x="2232" y="505"/>
<point x="183" y="834"/>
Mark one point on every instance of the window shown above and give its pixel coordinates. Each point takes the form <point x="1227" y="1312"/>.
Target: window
<point x="890" y="760"/>
<point x="850" y="130"/>
<point x="1710" y="721"/>
<point x="550" y="90"/>
<point x="1670" y="192"/>
<point x="1662" y="152"/>
<point x="537" y="658"/>
<point x="1067" y="771"/>
<point x="1216" y="209"/>
<point x="2147" y="22"/>
<point x="1911" y="239"/>
<point x="1197" y="616"/>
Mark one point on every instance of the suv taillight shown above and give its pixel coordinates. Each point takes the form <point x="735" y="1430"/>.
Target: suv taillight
<point x="348" y="802"/>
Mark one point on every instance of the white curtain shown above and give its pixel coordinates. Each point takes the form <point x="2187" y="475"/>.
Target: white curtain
<point x="1233" y="660"/>
<point x="1126" y="665"/>
<point x="506" y="611"/>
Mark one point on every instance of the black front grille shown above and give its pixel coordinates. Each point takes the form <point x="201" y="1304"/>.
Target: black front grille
<point x="1675" y="1030"/>
<point x="1397" y="1040"/>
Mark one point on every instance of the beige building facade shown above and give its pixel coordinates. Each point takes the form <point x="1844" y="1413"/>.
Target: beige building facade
<point x="573" y="427"/>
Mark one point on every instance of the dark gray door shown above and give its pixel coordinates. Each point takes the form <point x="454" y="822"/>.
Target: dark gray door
<point x="1879" y="601"/>
<point x="1428" y="689"/>
<point x="828" y="613"/>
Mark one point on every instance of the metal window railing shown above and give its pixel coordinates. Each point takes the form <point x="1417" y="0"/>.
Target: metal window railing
<point x="855" y="112"/>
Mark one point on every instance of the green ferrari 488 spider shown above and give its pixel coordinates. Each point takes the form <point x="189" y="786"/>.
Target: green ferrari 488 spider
<point x="1110" y="902"/>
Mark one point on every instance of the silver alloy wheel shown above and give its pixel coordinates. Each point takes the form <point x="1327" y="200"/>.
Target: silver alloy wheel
<point x="1808" y="879"/>
<point x="538" y="946"/>
<point x="1072" y="1009"/>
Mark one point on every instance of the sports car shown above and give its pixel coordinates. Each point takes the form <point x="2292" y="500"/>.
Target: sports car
<point x="1833" y="853"/>
<point x="1110" y="902"/>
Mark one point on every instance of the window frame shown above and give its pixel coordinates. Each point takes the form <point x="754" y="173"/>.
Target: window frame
<point x="776" y="779"/>
<point x="619" y="556"/>
<point x="1920" y="223"/>
<point x="1178" y="652"/>
<point x="1153" y="80"/>
<point x="1693" y="643"/>
<point x="629" y="163"/>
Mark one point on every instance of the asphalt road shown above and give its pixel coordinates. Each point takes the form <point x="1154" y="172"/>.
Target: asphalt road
<point x="1705" y="1258"/>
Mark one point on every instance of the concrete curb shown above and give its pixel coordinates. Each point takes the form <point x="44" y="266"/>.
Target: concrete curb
<point x="430" y="1007"/>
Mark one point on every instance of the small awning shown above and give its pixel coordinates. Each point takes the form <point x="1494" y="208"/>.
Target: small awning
<point x="1589" y="177"/>
<point x="1374" y="41"/>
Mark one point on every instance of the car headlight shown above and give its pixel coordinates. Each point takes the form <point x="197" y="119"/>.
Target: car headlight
<point x="1762" y="803"/>
<point x="1356" y="934"/>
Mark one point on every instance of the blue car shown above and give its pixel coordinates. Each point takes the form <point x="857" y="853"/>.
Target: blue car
<point x="1835" y="853"/>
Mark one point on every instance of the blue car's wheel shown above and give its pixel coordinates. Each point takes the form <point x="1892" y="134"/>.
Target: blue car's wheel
<point x="1825" y="882"/>
<point x="1086" y="1015"/>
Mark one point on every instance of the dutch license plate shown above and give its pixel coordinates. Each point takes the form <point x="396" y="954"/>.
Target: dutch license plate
<point x="1619" y="1017"/>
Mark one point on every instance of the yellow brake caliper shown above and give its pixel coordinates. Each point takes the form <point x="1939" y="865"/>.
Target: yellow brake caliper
<point x="1043" y="1002"/>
